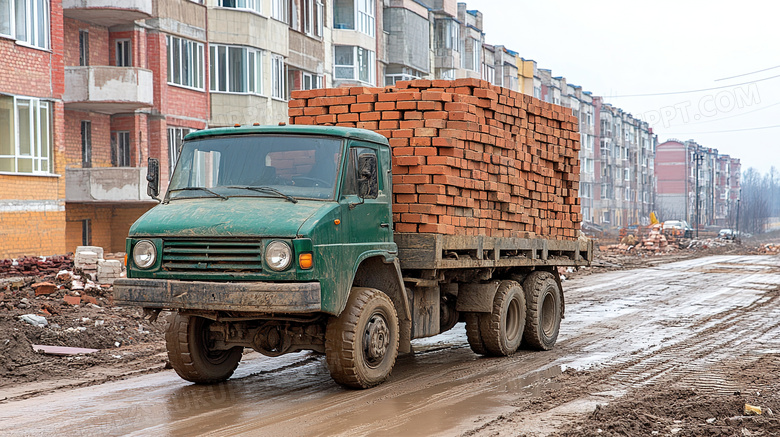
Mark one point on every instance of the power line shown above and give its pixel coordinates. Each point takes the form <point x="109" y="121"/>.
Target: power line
<point x="723" y="131"/>
<point x="748" y="74"/>
<point x="735" y="115"/>
<point x="692" y="91"/>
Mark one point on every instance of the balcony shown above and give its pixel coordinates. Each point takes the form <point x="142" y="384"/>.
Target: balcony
<point x="107" y="12"/>
<point x="108" y="90"/>
<point x="106" y="185"/>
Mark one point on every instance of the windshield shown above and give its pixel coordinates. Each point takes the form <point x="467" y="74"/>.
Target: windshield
<point x="231" y="166"/>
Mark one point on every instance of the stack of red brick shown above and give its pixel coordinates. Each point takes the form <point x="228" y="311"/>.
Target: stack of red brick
<point x="469" y="158"/>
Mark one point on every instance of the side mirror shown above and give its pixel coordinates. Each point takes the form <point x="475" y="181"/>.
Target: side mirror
<point x="153" y="178"/>
<point x="368" y="186"/>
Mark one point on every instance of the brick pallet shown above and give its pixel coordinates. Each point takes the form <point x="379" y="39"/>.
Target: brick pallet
<point x="469" y="158"/>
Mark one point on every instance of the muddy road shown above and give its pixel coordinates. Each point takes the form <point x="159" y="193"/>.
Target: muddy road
<point x="706" y="325"/>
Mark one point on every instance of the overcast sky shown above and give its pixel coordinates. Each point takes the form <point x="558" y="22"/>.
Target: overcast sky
<point x="619" y="49"/>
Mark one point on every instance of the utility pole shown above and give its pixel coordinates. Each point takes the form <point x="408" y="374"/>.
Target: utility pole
<point x="739" y="198"/>
<point x="699" y="157"/>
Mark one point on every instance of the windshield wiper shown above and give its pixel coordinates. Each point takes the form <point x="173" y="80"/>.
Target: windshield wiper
<point x="168" y="199"/>
<point x="265" y="190"/>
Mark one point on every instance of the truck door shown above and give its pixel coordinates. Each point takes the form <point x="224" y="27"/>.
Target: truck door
<point x="368" y="213"/>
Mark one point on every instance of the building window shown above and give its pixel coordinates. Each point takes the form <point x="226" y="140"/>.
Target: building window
<point x="120" y="149"/>
<point x="175" y="137"/>
<point x="489" y="73"/>
<point x="476" y="48"/>
<point x="124" y="57"/>
<point x="83" y="47"/>
<point x="301" y="80"/>
<point x="236" y="69"/>
<point x="355" y="15"/>
<point x="251" y="5"/>
<point x="86" y="232"/>
<point x="25" y="135"/>
<point x="354" y="63"/>
<point x="185" y="62"/>
<point x="405" y="74"/>
<point x="280" y="10"/>
<point x="312" y="17"/>
<point x="278" y="77"/>
<point x="365" y="17"/>
<point x="86" y="144"/>
<point x="26" y="20"/>
<point x="447" y="33"/>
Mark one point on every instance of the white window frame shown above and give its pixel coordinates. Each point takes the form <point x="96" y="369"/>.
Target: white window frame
<point x="627" y="174"/>
<point x="39" y="151"/>
<point x="29" y="27"/>
<point x="175" y="137"/>
<point x="251" y="77"/>
<point x="123" y="48"/>
<point x="356" y="67"/>
<point x="313" y="18"/>
<point x="190" y="56"/>
<point x="278" y="77"/>
<point x="365" y="17"/>
<point x="489" y="73"/>
<point x="315" y="81"/>
<point x="245" y="5"/>
<point x="280" y="10"/>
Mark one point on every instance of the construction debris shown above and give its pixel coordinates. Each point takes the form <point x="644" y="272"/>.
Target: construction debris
<point x="62" y="350"/>
<point x="34" y="320"/>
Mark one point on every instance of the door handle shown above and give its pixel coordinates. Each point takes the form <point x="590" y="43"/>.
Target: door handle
<point x="384" y="225"/>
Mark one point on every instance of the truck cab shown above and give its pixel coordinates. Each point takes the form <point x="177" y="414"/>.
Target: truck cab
<point x="261" y="239"/>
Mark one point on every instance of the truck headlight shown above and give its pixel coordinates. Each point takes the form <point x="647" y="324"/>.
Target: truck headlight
<point x="144" y="254"/>
<point x="278" y="255"/>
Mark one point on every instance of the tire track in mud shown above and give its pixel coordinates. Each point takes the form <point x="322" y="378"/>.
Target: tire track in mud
<point x="712" y="339"/>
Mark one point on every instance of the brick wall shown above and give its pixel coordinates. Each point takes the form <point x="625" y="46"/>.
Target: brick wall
<point x="98" y="43"/>
<point x="468" y="157"/>
<point x="26" y="71"/>
<point x="101" y="138"/>
<point x="110" y="224"/>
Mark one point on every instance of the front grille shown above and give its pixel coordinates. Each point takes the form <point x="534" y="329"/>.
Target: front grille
<point x="214" y="256"/>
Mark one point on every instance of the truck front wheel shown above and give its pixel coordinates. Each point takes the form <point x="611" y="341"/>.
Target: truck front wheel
<point x="191" y="352"/>
<point x="502" y="329"/>
<point x="361" y="345"/>
<point x="543" y="298"/>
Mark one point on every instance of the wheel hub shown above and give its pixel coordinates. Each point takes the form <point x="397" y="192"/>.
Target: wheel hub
<point x="376" y="338"/>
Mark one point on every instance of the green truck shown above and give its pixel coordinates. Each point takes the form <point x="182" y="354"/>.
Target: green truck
<point x="280" y="239"/>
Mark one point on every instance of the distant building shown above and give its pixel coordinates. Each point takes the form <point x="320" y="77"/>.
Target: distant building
<point x="684" y="166"/>
<point x="408" y="25"/>
<point x="624" y="168"/>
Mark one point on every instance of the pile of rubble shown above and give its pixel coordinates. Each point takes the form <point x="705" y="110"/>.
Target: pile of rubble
<point x="33" y="266"/>
<point x="707" y="243"/>
<point x="84" y="280"/>
<point x="770" y="249"/>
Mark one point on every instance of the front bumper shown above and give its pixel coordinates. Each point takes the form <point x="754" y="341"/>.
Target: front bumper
<point x="258" y="297"/>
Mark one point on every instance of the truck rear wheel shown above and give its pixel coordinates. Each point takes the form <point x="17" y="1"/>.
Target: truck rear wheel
<point x="361" y="345"/>
<point x="543" y="300"/>
<point x="474" y="334"/>
<point x="191" y="352"/>
<point x="502" y="329"/>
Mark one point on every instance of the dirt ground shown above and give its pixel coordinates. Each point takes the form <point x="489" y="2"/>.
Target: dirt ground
<point x="129" y="345"/>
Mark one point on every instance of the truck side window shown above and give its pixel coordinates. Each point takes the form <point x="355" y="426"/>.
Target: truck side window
<point x="351" y="185"/>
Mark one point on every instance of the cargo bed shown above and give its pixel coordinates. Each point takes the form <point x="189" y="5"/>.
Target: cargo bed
<point x="437" y="251"/>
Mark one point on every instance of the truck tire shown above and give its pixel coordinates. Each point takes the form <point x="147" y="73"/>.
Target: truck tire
<point x="502" y="328"/>
<point x="190" y="355"/>
<point x="543" y="320"/>
<point x="473" y="333"/>
<point x="361" y="345"/>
